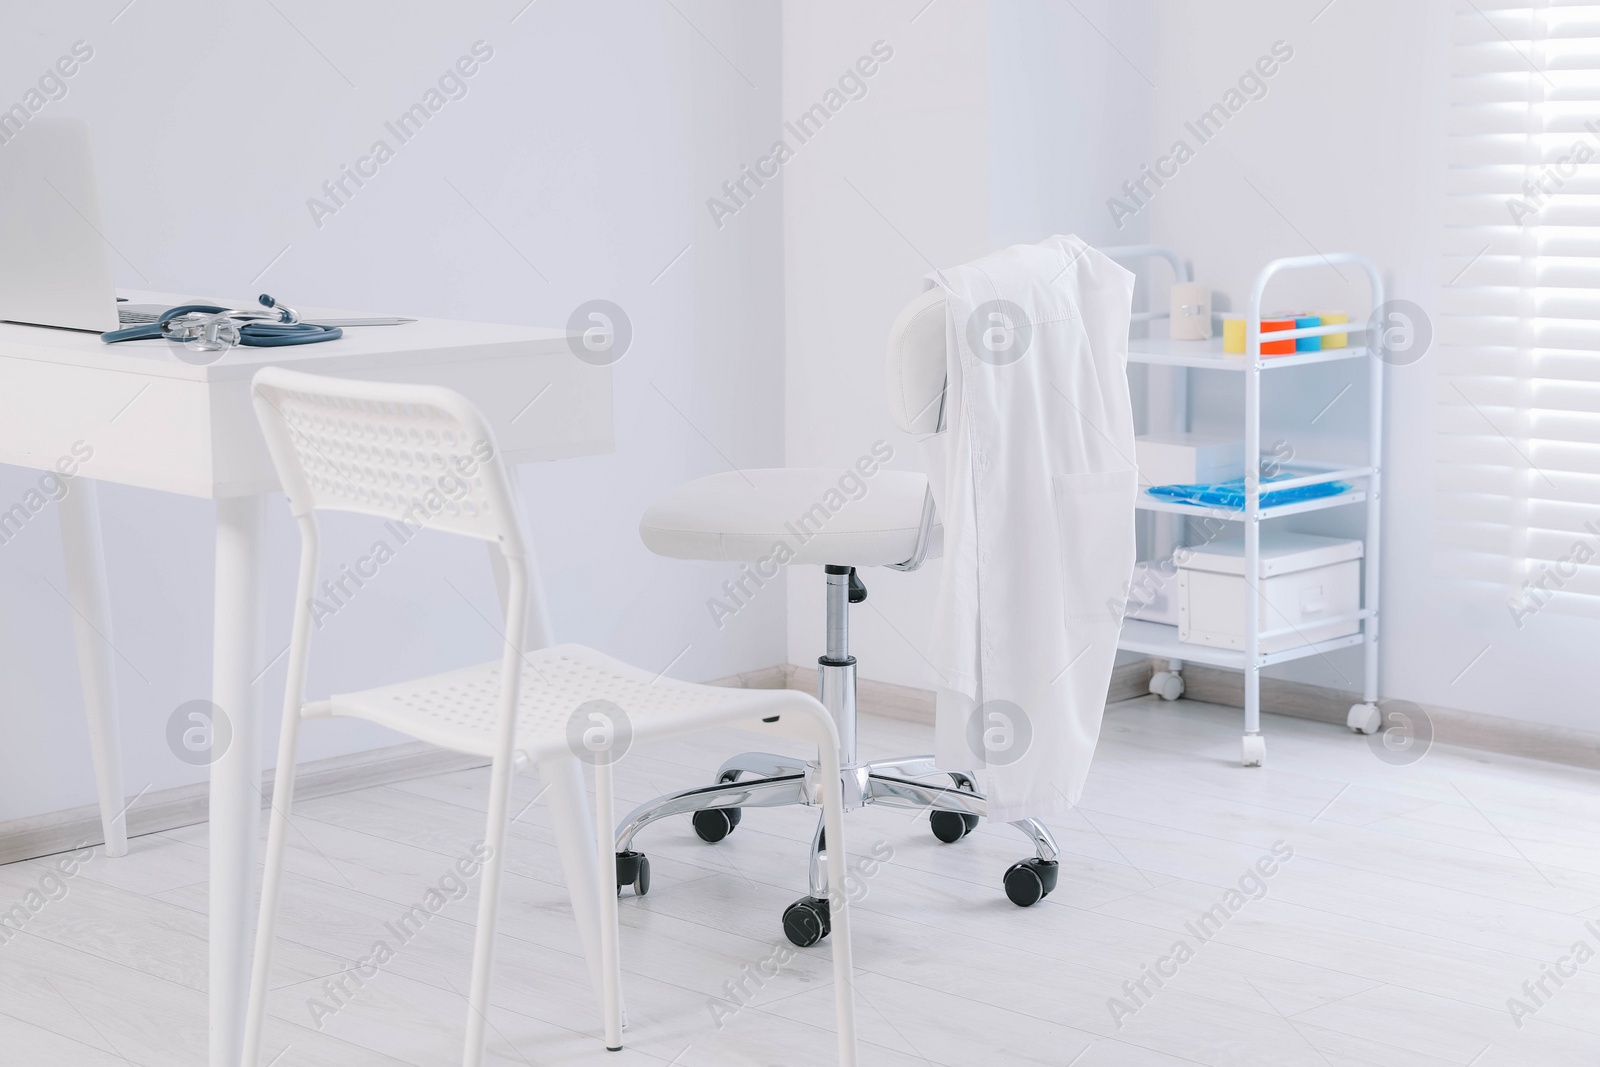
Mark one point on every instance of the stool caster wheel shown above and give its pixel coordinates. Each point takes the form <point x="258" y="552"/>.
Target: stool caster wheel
<point x="1364" y="718"/>
<point x="1254" y="750"/>
<point x="713" y="824"/>
<point x="633" y="868"/>
<point x="1031" y="881"/>
<point x="806" y="921"/>
<point x="951" y="826"/>
<point x="1168" y="685"/>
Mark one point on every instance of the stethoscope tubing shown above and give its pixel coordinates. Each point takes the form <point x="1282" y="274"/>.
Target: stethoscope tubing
<point x="256" y="334"/>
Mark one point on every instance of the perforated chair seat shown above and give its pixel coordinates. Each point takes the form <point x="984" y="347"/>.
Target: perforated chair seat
<point x="741" y="516"/>
<point x="458" y="709"/>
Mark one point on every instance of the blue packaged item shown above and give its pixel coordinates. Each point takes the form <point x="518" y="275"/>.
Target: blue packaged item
<point x="1307" y="344"/>
<point x="1231" y="494"/>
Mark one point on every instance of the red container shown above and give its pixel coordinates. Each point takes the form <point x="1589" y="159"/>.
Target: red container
<point x="1277" y="348"/>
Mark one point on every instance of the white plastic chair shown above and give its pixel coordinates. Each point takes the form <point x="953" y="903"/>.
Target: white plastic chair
<point x="423" y="455"/>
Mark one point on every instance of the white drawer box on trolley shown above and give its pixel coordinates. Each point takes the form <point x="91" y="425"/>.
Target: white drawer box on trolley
<point x="1187" y="458"/>
<point x="1304" y="578"/>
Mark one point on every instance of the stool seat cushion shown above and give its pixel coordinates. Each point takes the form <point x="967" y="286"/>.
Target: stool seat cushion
<point x="791" y="515"/>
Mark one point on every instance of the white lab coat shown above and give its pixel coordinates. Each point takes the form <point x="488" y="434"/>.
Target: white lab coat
<point x="1034" y="480"/>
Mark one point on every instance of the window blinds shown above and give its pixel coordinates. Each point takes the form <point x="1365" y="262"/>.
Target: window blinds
<point x="1518" y="372"/>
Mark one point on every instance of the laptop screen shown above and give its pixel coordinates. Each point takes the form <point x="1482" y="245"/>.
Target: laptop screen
<point x="54" y="267"/>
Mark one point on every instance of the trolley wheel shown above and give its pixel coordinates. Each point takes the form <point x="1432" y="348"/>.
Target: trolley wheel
<point x="1364" y="718"/>
<point x="713" y="824"/>
<point x="806" y="921"/>
<point x="1030" y="881"/>
<point x="633" y="868"/>
<point x="1255" y="750"/>
<point x="1168" y="685"/>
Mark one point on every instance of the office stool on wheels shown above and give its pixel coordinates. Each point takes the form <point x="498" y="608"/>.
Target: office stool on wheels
<point x="740" y="516"/>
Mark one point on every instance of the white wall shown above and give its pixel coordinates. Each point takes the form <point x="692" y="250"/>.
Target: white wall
<point x="995" y="123"/>
<point x="1070" y="113"/>
<point x="1346" y="150"/>
<point x="591" y="140"/>
<point x="895" y="185"/>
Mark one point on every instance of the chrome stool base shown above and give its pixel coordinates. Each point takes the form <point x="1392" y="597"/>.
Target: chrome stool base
<point x="764" y="780"/>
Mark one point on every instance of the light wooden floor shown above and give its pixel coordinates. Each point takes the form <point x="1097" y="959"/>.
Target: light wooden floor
<point x="1417" y="901"/>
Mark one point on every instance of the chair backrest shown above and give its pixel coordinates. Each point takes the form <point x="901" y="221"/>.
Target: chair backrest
<point x="917" y="364"/>
<point x="417" y="454"/>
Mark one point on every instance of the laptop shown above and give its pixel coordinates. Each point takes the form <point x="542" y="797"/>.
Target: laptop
<point x="55" y="267"/>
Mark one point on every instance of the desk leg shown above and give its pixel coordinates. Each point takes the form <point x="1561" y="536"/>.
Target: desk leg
<point x="235" y="774"/>
<point x="91" y="626"/>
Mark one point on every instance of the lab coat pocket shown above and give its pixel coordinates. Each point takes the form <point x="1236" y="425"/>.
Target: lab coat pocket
<point x="1095" y="536"/>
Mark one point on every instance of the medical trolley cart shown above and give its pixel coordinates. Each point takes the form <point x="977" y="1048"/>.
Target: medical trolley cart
<point x="1167" y="404"/>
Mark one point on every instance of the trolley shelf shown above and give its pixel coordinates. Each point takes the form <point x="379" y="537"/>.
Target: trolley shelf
<point x="1160" y="640"/>
<point x="1209" y="355"/>
<point x="1145" y="502"/>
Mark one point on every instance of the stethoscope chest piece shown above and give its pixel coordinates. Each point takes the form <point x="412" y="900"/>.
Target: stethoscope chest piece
<point x="201" y="331"/>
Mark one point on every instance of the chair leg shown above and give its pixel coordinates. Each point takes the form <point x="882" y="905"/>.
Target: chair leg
<point x="790" y="789"/>
<point x="838" y="900"/>
<point x="610" y="950"/>
<point x="815" y="875"/>
<point x="565" y="795"/>
<point x="759" y="765"/>
<point x="271" y="892"/>
<point x="488" y="909"/>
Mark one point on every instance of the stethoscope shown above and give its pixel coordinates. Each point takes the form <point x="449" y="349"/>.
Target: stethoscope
<point x="208" y="328"/>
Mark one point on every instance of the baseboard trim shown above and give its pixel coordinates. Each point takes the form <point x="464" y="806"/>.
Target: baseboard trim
<point x="1214" y="685"/>
<point x="1451" y="726"/>
<point x="1130" y="680"/>
<point x="188" y="805"/>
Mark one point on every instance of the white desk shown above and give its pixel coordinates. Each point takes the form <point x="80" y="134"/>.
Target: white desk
<point x="157" y="422"/>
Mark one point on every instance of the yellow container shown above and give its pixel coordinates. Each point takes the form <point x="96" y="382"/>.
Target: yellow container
<point x="1334" y="318"/>
<point x="1233" y="334"/>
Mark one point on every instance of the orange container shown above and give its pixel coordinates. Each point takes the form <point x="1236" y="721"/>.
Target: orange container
<point x="1277" y="348"/>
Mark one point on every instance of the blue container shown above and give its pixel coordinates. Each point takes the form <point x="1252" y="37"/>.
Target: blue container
<point x="1307" y="344"/>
